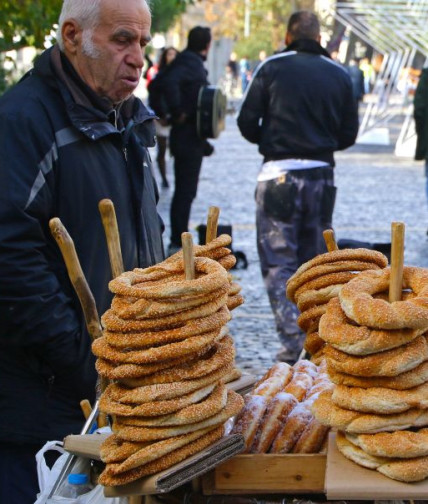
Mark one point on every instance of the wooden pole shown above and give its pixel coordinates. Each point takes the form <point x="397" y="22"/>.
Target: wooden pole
<point x="108" y="217"/>
<point x="77" y="277"/>
<point x="86" y="408"/>
<point x="397" y="261"/>
<point x="212" y="223"/>
<point x="188" y="255"/>
<point x="330" y="240"/>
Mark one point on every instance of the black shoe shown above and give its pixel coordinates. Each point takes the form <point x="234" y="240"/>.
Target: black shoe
<point x="285" y="356"/>
<point x="165" y="184"/>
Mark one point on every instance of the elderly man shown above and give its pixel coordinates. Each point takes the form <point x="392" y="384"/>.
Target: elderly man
<point x="71" y="134"/>
<point x="299" y="109"/>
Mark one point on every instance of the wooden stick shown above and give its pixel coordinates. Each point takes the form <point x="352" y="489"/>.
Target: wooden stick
<point x="86" y="408"/>
<point x="397" y="261"/>
<point x="212" y="223"/>
<point x="108" y="217"/>
<point x="77" y="277"/>
<point x="188" y="255"/>
<point x="330" y="240"/>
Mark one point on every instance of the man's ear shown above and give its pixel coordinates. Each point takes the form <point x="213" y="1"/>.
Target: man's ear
<point x="288" y="39"/>
<point x="71" y="35"/>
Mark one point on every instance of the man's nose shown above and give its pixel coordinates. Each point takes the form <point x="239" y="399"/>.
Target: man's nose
<point x="136" y="56"/>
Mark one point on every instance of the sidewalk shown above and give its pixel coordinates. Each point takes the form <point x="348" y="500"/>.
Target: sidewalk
<point x="375" y="188"/>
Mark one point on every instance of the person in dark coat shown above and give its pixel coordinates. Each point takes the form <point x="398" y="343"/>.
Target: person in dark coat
<point x="299" y="109"/>
<point x="180" y="85"/>
<point x="357" y="79"/>
<point x="420" y="113"/>
<point x="71" y="134"/>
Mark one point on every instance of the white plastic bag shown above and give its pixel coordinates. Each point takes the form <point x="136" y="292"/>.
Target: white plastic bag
<point x="48" y="477"/>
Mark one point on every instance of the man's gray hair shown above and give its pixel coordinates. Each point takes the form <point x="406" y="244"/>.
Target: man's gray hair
<point x="304" y="25"/>
<point x="85" y="12"/>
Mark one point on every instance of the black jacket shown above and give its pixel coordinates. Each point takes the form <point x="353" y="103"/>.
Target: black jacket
<point x="299" y="104"/>
<point x="179" y="83"/>
<point x="60" y="157"/>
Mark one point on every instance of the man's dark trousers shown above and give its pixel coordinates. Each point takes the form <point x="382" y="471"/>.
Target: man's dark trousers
<point x="187" y="149"/>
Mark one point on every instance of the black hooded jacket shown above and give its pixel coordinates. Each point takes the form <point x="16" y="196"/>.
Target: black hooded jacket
<point x="299" y="104"/>
<point x="63" y="152"/>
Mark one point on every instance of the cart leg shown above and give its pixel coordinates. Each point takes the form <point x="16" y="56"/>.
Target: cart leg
<point x="136" y="499"/>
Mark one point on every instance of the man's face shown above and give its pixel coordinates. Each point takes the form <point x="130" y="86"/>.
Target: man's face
<point x="111" y="62"/>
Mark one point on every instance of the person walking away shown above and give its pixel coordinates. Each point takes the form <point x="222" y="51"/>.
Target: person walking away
<point x="420" y="112"/>
<point x="299" y="109"/>
<point x="357" y="79"/>
<point x="162" y="127"/>
<point x="180" y="86"/>
<point x="71" y="133"/>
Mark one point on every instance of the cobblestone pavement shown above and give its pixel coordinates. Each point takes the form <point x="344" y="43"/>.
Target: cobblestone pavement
<point x="375" y="188"/>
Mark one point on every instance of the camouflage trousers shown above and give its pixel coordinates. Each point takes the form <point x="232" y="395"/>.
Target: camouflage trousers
<point x="290" y="222"/>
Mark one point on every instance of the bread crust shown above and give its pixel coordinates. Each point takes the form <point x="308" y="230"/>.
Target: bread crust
<point x="248" y="419"/>
<point x="380" y="400"/>
<point x="407" y="470"/>
<point x="398" y="444"/>
<point x="389" y="363"/>
<point x="292" y="429"/>
<point x="337" y="329"/>
<point x="357" y="301"/>
<point x="356" y="422"/>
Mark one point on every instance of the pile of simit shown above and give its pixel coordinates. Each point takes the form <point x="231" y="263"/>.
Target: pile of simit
<point x="377" y="357"/>
<point x="167" y="352"/>
<point x="321" y="279"/>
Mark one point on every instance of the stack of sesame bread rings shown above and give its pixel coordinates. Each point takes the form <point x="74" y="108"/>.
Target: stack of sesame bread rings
<point x="167" y="353"/>
<point x="321" y="279"/>
<point x="377" y="357"/>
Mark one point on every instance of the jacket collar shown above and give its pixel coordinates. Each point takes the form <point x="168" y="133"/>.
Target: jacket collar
<point x="93" y="116"/>
<point x="308" y="46"/>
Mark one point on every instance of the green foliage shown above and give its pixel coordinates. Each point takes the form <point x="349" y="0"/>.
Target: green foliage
<point x="165" y="12"/>
<point x="26" y="22"/>
<point x="250" y="47"/>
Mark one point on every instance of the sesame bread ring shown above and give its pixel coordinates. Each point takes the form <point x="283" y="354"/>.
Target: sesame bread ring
<point x="338" y="330"/>
<point x="324" y="281"/>
<point x="403" y="381"/>
<point x="234" y="288"/>
<point x="141" y="308"/>
<point x="112" y="322"/>
<point x="407" y="470"/>
<point x="210" y="276"/>
<point x="206" y="250"/>
<point x="315" y="297"/>
<point x="313" y="343"/>
<point x="228" y="262"/>
<point x="133" y="433"/>
<point x="190" y="328"/>
<point x="342" y="260"/>
<point x="356" y="422"/>
<point x="400" y="444"/>
<point x="114" y="371"/>
<point x="389" y="363"/>
<point x="156" y="408"/>
<point x="197" y="412"/>
<point x="234" y="301"/>
<point x="380" y="400"/>
<point x="221" y="355"/>
<point x="357" y="301"/>
<point x="310" y="318"/>
<point x="162" y="391"/>
<point x="101" y="348"/>
<point x="108" y="479"/>
<point x="156" y="450"/>
<point x="114" y="449"/>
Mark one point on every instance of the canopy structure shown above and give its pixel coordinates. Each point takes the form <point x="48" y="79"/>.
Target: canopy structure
<point x="398" y="30"/>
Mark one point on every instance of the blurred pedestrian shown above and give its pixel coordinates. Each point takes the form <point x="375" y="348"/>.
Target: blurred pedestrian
<point x="163" y="127"/>
<point x="72" y="133"/>
<point x="357" y="79"/>
<point x="180" y="86"/>
<point x="244" y="72"/>
<point x="421" y="123"/>
<point x="299" y="109"/>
